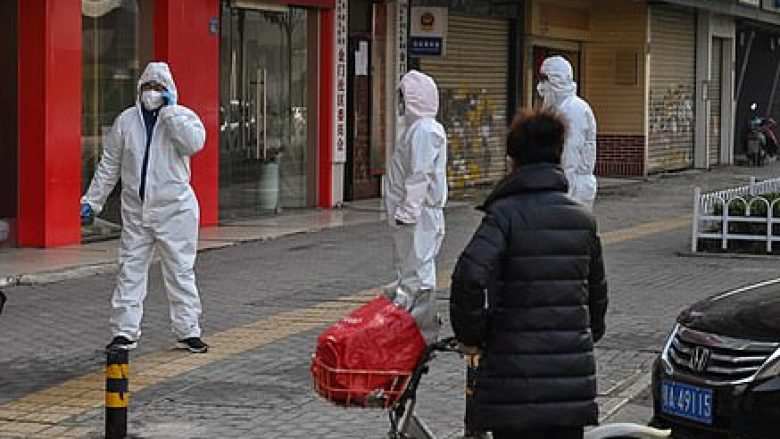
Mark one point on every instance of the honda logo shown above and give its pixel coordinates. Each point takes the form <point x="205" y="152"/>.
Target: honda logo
<point x="699" y="359"/>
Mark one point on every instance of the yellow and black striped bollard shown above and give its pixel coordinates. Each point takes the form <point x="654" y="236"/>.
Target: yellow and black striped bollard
<point x="117" y="393"/>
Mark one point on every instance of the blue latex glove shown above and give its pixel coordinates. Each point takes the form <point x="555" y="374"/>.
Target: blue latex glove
<point x="87" y="214"/>
<point x="86" y="210"/>
<point x="170" y="99"/>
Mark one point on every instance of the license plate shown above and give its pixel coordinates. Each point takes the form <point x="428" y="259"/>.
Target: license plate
<point x="687" y="401"/>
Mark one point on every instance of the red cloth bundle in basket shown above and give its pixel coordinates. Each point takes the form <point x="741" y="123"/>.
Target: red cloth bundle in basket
<point x="367" y="357"/>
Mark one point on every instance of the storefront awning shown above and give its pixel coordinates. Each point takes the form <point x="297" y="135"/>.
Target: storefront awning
<point x="98" y="8"/>
<point x="272" y="4"/>
<point x="328" y="4"/>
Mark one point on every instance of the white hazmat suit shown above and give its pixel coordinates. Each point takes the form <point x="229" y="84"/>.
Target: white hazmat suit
<point x="166" y="219"/>
<point x="415" y="195"/>
<point x="559" y="93"/>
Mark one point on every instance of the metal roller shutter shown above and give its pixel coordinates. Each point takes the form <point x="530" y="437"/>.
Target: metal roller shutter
<point x="671" y="114"/>
<point x="472" y="80"/>
<point x="714" y="92"/>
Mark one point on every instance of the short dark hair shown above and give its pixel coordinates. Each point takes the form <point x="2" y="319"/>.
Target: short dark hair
<point x="536" y="136"/>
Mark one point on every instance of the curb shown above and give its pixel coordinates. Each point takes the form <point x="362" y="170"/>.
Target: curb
<point x="612" y="188"/>
<point x="70" y="273"/>
<point x="728" y="256"/>
<point x="78" y="272"/>
<point x="10" y="281"/>
<point x="48" y="277"/>
<point x="67" y="274"/>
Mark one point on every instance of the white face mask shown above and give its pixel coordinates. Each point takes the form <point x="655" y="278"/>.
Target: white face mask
<point x="152" y="99"/>
<point x="547" y="93"/>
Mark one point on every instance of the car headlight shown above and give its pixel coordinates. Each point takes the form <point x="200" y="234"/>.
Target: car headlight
<point x="771" y="367"/>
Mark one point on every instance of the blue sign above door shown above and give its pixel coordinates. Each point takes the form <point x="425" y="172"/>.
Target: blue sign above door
<point x="426" y="46"/>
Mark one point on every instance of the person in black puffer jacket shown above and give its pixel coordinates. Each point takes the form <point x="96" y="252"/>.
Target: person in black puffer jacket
<point x="529" y="292"/>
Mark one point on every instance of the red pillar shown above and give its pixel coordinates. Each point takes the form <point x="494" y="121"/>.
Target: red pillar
<point x="326" y="107"/>
<point x="49" y="122"/>
<point x="186" y="36"/>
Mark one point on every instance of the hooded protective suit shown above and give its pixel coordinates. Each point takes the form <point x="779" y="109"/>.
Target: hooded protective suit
<point x="415" y="195"/>
<point x="165" y="218"/>
<point x="559" y="93"/>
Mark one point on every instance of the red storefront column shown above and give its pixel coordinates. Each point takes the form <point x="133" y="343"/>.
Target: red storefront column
<point x="49" y="122"/>
<point x="326" y="107"/>
<point x="186" y="36"/>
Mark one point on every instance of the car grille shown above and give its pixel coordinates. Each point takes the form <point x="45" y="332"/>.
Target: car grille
<point x="717" y="359"/>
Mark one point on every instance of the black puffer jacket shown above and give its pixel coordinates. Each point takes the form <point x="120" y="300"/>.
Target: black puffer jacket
<point x="538" y="256"/>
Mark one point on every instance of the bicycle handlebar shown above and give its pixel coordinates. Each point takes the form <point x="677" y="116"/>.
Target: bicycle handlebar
<point x="449" y="344"/>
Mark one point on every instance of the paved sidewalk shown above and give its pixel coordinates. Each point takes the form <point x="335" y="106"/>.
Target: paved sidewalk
<point x="267" y="301"/>
<point x="21" y="266"/>
<point x="25" y="266"/>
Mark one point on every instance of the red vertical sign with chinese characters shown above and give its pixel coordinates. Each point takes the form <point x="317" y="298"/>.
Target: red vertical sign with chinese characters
<point x="340" y="139"/>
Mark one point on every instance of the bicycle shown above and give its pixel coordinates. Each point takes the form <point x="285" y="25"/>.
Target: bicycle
<point x="397" y="392"/>
<point x="405" y="424"/>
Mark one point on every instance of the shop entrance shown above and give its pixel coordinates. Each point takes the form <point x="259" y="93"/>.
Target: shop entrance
<point x="263" y="110"/>
<point x="9" y="144"/>
<point x="541" y="53"/>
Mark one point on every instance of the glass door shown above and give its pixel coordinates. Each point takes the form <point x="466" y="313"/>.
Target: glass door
<point x="9" y="129"/>
<point x="111" y="46"/>
<point x="540" y="54"/>
<point x="263" y="111"/>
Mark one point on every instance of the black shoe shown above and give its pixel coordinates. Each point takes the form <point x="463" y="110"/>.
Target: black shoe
<point x="121" y="343"/>
<point x="194" y="345"/>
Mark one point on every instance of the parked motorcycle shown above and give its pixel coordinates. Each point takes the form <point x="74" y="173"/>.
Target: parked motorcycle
<point x="761" y="141"/>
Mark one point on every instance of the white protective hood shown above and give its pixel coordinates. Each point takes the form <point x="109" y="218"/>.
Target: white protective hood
<point x="421" y="96"/>
<point x="158" y="72"/>
<point x="560" y="85"/>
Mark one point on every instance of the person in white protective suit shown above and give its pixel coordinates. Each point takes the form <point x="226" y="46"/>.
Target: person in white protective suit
<point x="559" y="93"/>
<point x="149" y="147"/>
<point x="415" y="195"/>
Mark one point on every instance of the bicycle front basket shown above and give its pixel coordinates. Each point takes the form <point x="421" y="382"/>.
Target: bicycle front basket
<point x="358" y="388"/>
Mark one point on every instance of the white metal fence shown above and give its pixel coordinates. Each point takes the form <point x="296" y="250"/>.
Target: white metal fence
<point x="708" y="223"/>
